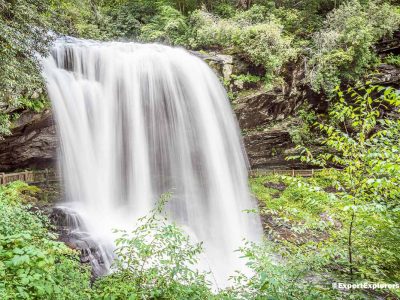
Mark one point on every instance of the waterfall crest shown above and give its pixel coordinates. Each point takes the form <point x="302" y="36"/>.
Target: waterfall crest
<point x="139" y="120"/>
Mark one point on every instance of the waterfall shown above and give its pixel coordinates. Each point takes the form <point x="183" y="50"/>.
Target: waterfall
<point x="139" y="120"/>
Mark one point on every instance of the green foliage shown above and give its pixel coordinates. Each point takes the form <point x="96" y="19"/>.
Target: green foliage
<point x="241" y="82"/>
<point x="146" y="19"/>
<point x="283" y="273"/>
<point x="124" y="18"/>
<point x="298" y="207"/>
<point x="224" y="10"/>
<point x="168" y="26"/>
<point x="301" y="133"/>
<point x="304" y="253"/>
<point x="341" y="34"/>
<point x="343" y="49"/>
<point x="80" y="18"/>
<point x="313" y="6"/>
<point x="393" y="60"/>
<point x="155" y="261"/>
<point x="5" y="125"/>
<point x="307" y="248"/>
<point x="32" y="264"/>
<point x="23" y="31"/>
<point x="263" y="44"/>
<point x="363" y="140"/>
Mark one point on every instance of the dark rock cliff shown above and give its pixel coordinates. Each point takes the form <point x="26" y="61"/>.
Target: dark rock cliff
<point x="33" y="143"/>
<point x="266" y="147"/>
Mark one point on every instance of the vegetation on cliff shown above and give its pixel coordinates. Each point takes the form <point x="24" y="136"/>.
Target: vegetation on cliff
<point x="335" y="38"/>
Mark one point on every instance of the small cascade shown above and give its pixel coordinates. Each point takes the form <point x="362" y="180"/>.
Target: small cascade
<point x="72" y="231"/>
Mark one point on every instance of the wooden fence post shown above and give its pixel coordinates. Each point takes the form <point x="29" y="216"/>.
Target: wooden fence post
<point x="46" y="174"/>
<point x="292" y="172"/>
<point x="1" y="178"/>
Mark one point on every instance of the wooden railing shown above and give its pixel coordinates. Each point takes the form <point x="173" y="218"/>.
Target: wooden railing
<point x="293" y="172"/>
<point x="47" y="176"/>
<point x="33" y="177"/>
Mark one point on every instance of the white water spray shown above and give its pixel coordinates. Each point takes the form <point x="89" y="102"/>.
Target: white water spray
<point x="136" y="121"/>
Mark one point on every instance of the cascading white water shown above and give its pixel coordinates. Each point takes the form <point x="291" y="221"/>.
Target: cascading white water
<point x="138" y="120"/>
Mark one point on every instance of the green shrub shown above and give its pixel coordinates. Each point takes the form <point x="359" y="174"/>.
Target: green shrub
<point x="224" y="10"/>
<point x="155" y="261"/>
<point x="285" y="273"/>
<point x="32" y="264"/>
<point x="168" y="26"/>
<point x="79" y="18"/>
<point x="300" y="132"/>
<point x="343" y="49"/>
<point x="363" y="142"/>
<point x="5" y="124"/>
<point x="393" y="60"/>
<point x="24" y="36"/>
<point x="263" y="44"/>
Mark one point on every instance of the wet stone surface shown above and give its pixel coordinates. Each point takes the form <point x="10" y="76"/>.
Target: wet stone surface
<point x="71" y="231"/>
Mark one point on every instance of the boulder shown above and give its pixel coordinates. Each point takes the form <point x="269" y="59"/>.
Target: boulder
<point x="221" y="63"/>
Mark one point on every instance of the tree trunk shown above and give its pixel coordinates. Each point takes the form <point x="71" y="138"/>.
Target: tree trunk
<point x="245" y="4"/>
<point x="350" y="245"/>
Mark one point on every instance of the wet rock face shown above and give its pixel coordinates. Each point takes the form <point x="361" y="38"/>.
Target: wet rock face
<point x="262" y="148"/>
<point x="33" y="143"/>
<point x="70" y="228"/>
<point x="387" y="75"/>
